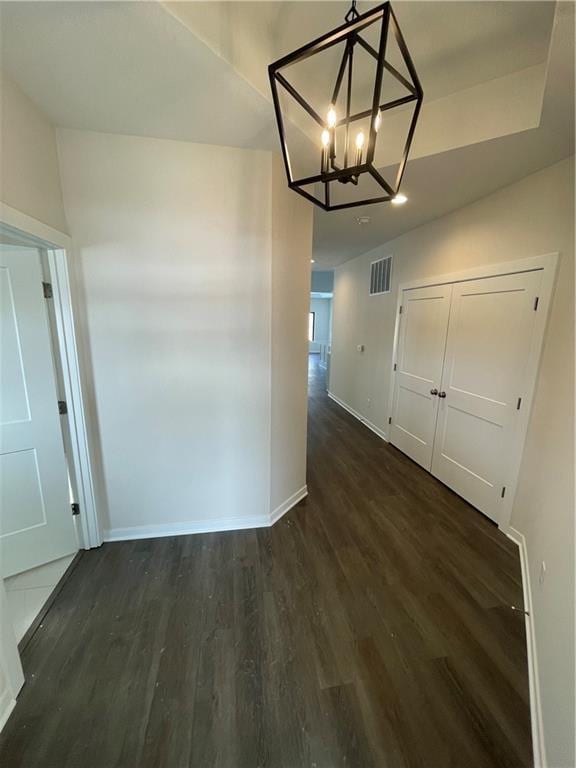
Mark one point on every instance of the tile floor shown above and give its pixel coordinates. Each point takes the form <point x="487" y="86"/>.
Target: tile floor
<point x="27" y="592"/>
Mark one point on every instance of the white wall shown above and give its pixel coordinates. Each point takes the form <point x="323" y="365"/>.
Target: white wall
<point x="173" y="244"/>
<point x="532" y="217"/>
<point x="322" y="323"/>
<point x="291" y="249"/>
<point x="29" y="178"/>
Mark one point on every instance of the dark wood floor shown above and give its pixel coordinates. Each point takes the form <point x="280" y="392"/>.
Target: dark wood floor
<point x="369" y="628"/>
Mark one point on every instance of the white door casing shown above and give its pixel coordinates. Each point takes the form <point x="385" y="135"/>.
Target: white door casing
<point x="421" y="345"/>
<point x="492" y="322"/>
<point x="58" y="245"/>
<point x="36" y="524"/>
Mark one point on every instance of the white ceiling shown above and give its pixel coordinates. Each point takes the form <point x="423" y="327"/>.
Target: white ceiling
<point x="197" y="71"/>
<point x="454" y="44"/>
<point x="132" y="68"/>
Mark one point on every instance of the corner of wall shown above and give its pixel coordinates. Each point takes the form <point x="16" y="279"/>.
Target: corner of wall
<point x="30" y="167"/>
<point x="290" y="298"/>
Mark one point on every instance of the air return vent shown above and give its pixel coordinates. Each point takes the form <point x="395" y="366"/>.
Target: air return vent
<point x="380" y="275"/>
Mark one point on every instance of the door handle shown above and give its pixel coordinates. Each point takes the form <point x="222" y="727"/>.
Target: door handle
<point x="433" y="391"/>
<point x="441" y="394"/>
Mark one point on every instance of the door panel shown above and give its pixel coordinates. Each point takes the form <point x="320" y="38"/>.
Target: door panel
<point x="36" y="524"/>
<point x="421" y="345"/>
<point x="487" y="351"/>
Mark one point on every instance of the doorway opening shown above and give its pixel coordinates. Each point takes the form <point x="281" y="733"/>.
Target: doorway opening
<point x="47" y="502"/>
<point x="38" y="531"/>
<point x="320" y="321"/>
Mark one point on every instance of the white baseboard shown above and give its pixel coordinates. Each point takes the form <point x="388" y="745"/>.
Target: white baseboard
<point x="359" y="416"/>
<point x="185" y="529"/>
<point x="7" y="704"/>
<point x="537" y="724"/>
<point x="204" y="526"/>
<point x="287" y="505"/>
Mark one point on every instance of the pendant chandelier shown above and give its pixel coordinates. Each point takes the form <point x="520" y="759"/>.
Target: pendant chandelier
<point x="355" y="93"/>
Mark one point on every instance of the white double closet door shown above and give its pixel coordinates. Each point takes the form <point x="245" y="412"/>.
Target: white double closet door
<point x="463" y="367"/>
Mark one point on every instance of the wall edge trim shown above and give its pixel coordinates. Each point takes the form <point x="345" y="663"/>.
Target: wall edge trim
<point x="287" y="505"/>
<point x="135" y="532"/>
<point x="536" y="720"/>
<point x="377" y="431"/>
<point x="13" y="217"/>
<point x="184" y="529"/>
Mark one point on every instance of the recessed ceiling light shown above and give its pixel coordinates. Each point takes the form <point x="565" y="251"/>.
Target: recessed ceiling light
<point x="312" y="261"/>
<point x="399" y="199"/>
<point x="363" y="220"/>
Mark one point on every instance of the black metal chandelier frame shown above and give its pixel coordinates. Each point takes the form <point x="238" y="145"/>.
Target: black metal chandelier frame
<point x="349" y="33"/>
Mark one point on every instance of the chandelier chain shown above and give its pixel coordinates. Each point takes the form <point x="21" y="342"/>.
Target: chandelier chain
<point x="352" y="13"/>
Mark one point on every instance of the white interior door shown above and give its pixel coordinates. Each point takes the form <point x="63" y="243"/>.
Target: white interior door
<point x="490" y="333"/>
<point x="36" y="524"/>
<point x="421" y="345"/>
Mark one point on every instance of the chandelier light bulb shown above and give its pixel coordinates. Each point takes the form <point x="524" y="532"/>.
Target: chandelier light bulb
<point x="325" y="150"/>
<point x="359" y="145"/>
<point x="331" y="118"/>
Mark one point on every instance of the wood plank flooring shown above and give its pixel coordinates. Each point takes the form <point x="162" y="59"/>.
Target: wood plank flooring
<point x="369" y="628"/>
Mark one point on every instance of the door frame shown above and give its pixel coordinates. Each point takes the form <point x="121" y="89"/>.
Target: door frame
<point x="58" y="246"/>
<point x="548" y="264"/>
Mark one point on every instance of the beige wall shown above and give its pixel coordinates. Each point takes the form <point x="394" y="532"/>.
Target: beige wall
<point x="532" y="217"/>
<point x="291" y="254"/>
<point x="182" y="282"/>
<point x="29" y="175"/>
<point x="169" y="237"/>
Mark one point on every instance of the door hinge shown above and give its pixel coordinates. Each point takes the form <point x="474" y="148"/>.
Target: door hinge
<point x="75" y="508"/>
<point x="518" y="404"/>
<point x="400" y="310"/>
<point x="62" y="407"/>
<point x="503" y="491"/>
<point x="390" y="420"/>
<point x="536" y="300"/>
<point x="47" y="288"/>
<point x="395" y="366"/>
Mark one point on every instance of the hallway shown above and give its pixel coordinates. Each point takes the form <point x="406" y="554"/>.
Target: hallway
<point x="370" y="627"/>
